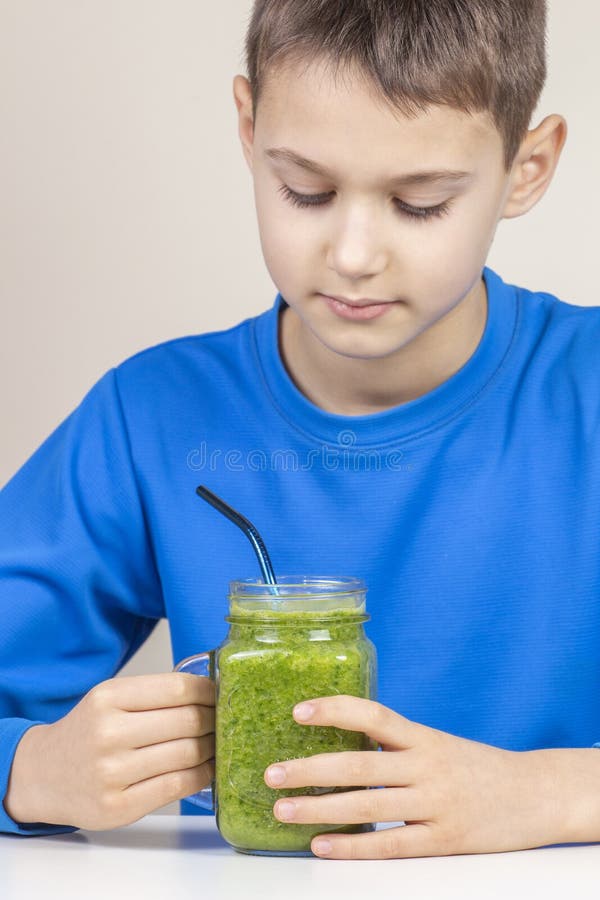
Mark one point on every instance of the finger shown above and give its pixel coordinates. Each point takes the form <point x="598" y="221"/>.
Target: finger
<point x="172" y="756"/>
<point x="388" y="843"/>
<point x="357" y="714"/>
<point x="159" y="691"/>
<point x="352" y="768"/>
<point x="146" y="796"/>
<point x="158" y="726"/>
<point x="352" y="807"/>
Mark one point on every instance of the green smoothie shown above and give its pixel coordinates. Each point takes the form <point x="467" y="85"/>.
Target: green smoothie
<point x="272" y="661"/>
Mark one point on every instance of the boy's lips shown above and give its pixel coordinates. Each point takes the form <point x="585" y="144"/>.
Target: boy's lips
<point x="357" y="310"/>
<point x="361" y="302"/>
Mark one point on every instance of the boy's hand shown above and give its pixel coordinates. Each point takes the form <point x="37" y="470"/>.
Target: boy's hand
<point x="455" y="795"/>
<point x="130" y="746"/>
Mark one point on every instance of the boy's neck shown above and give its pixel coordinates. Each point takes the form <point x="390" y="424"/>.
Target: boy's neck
<point x="354" y="387"/>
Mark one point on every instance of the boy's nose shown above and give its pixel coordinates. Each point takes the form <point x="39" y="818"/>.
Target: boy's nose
<point x="357" y="253"/>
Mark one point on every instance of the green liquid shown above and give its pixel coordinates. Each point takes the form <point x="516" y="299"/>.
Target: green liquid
<point x="264" y="671"/>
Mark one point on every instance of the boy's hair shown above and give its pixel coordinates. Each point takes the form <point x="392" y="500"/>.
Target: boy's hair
<point x="472" y="55"/>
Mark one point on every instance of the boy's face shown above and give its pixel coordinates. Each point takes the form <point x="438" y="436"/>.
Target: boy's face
<point x="362" y="242"/>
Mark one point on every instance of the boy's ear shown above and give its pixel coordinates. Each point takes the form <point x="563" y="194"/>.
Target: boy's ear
<point x="534" y="165"/>
<point x="242" y="95"/>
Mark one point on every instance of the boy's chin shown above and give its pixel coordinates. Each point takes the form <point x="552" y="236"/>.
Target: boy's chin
<point x="360" y="347"/>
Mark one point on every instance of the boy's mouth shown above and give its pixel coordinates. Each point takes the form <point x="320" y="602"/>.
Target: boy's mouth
<point x="361" y="302"/>
<point x="360" y="310"/>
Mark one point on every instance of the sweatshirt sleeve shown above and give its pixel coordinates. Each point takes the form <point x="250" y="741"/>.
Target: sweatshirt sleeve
<point x="79" y="587"/>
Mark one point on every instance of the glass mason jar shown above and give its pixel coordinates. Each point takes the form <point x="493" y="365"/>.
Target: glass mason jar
<point x="307" y="640"/>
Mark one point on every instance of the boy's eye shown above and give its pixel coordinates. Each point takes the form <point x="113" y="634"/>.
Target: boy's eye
<point x="413" y="212"/>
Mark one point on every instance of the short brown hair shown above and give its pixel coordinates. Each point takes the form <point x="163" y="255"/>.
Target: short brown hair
<point x="472" y="55"/>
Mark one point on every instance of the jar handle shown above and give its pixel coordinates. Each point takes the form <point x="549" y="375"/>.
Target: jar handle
<point x="203" y="664"/>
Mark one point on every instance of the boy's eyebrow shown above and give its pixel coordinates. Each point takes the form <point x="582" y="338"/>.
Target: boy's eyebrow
<point x="285" y="154"/>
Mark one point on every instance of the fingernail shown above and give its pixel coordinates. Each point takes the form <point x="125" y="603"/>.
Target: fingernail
<point x="285" y="809"/>
<point x="322" y="847"/>
<point x="304" y="711"/>
<point x="276" y="775"/>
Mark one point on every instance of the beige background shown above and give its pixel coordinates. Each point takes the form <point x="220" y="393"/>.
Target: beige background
<point x="127" y="212"/>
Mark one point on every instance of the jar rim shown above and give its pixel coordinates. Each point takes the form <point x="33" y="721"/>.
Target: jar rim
<point x="297" y="586"/>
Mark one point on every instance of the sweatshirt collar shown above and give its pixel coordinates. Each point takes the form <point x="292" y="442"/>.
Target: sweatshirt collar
<point x="407" y="420"/>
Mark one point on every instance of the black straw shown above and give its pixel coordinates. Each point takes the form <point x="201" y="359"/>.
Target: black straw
<point x="248" y="529"/>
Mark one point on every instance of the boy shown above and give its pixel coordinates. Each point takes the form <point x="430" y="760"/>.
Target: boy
<point x="432" y="430"/>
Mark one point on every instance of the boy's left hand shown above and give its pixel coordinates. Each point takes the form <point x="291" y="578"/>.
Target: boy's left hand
<point x="455" y="795"/>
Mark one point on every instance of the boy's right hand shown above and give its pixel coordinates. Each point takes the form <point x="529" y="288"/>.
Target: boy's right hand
<point x="130" y="746"/>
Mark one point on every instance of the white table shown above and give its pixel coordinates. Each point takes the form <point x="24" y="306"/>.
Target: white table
<point x="172" y="857"/>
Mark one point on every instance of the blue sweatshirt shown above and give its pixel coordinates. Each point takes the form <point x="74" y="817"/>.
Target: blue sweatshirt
<point x="472" y="513"/>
